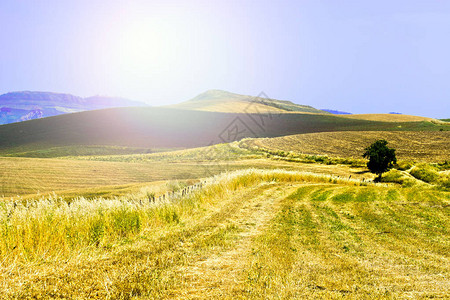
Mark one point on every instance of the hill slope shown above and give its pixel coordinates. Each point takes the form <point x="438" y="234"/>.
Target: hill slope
<point x="152" y="127"/>
<point x="223" y="101"/>
<point x="23" y="106"/>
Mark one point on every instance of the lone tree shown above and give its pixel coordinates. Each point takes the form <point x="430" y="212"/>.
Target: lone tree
<point x="381" y="158"/>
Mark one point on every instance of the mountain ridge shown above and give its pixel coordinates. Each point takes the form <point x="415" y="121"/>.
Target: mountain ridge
<point x="27" y="105"/>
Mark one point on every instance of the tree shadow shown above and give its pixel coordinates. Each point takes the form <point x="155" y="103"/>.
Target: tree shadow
<point x="362" y="172"/>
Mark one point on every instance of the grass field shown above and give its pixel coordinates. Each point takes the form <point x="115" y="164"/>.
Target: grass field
<point x="272" y="218"/>
<point x="251" y="234"/>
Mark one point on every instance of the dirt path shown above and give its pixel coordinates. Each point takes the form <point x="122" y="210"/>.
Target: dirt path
<point x="218" y="274"/>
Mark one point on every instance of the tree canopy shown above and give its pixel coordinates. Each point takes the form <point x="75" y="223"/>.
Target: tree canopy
<point x="381" y="157"/>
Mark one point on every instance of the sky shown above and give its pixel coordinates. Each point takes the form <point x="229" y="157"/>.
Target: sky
<point x="356" y="56"/>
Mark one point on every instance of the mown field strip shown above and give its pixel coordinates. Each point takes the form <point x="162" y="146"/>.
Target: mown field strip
<point x="355" y="242"/>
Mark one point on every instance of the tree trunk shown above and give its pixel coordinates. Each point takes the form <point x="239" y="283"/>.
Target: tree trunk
<point x="378" y="179"/>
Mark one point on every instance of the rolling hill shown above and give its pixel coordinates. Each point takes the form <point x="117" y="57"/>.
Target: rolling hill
<point x="23" y="106"/>
<point x="223" y="101"/>
<point x="153" y="127"/>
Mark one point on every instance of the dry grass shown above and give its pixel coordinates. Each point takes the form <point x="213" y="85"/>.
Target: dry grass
<point x="247" y="234"/>
<point x="389" y="118"/>
<point x="418" y="146"/>
<point x="52" y="224"/>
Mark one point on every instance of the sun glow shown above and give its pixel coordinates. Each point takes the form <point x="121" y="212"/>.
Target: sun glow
<point x="143" y="47"/>
<point x="158" y="51"/>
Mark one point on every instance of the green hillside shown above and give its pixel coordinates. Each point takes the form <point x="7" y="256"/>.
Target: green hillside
<point x="154" y="128"/>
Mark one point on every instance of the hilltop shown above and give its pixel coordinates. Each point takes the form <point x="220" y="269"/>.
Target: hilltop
<point x="27" y="105"/>
<point x="223" y="101"/>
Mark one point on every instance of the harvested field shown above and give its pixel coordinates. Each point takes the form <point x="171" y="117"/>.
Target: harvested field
<point x="418" y="146"/>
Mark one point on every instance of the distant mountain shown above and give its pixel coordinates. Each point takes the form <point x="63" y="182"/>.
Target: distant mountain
<point x="32" y="114"/>
<point x="223" y="101"/>
<point x="336" y="112"/>
<point x="26" y="105"/>
<point x="11" y="115"/>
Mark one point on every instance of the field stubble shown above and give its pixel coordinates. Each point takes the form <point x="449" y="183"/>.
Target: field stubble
<point x="410" y="145"/>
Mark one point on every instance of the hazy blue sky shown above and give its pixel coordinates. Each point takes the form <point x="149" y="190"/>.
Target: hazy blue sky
<point x="357" y="56"/>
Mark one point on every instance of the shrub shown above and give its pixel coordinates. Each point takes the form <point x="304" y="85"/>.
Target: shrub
<point x="444" y="165"/>
<point x="396" y="176"/>
<point x="404" y="165"/>
<point x="425" y="173"/>
<point x="445" y="182"/>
